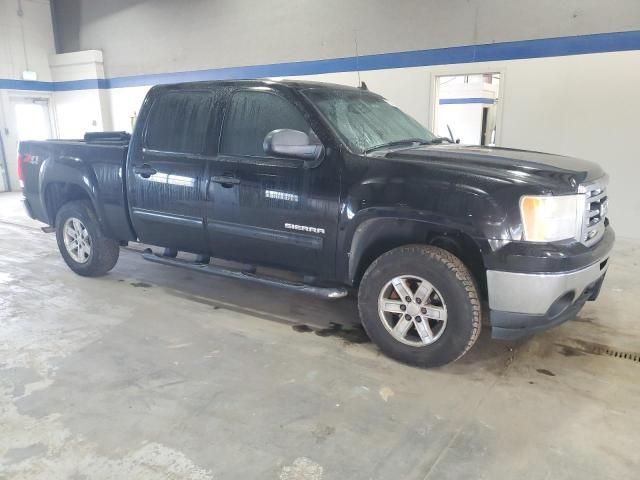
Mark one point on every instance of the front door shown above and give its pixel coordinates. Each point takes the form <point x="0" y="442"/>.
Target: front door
<point x="166" y="174"/>
<point x="272" y="211"/>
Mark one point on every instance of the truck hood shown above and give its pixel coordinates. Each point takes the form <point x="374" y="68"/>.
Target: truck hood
<point x="556" y="173"/>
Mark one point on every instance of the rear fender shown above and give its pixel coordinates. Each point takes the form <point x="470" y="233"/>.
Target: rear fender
<point x="71" y="171"/>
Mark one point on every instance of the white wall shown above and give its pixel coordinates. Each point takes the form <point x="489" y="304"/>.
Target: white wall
<point x="26" y="41"/>
<point x="80" y="111"/>
<point x="125" y="105"/>
<point x="585" y="106"/>
<point x="152" y="36"/>
<point x="17" y="56"/>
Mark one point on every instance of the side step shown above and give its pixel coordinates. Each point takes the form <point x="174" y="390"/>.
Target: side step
<point x="328" y="293"/>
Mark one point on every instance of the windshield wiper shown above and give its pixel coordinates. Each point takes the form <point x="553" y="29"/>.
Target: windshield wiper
<point x="397" y="143"/>
<point x="439" y="140"/>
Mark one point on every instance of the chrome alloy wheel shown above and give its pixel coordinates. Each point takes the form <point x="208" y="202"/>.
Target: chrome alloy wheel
<point x="412" y="310"/>
<point x="77" y="240"/>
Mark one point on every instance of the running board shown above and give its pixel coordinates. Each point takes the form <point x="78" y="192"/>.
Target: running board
<point x="328" y="293"/>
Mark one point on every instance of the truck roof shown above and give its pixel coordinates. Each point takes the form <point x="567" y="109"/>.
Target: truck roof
<point x="294" y="84"/>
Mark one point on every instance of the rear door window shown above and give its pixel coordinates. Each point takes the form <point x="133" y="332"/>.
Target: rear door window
<point x="181" y="122"/>
<point x="251" y="116"/>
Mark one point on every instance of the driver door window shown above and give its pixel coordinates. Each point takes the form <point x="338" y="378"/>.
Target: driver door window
<point x="251" y="116"/>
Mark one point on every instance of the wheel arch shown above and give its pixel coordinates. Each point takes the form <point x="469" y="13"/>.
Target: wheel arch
<point x="64" y="181"/>
<point x="56" y="194"/>
<point x="377" y="236"/>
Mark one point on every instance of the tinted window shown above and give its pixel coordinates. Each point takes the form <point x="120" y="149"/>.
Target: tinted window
<point x="254" y="114"/>
<point x="179" y="122"/>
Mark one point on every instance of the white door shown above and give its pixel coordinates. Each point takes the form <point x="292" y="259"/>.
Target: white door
<point x="4" y="174"/>
<point x="29" y="119"/>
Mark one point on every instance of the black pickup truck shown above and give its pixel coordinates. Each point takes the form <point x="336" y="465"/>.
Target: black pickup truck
<point x="344" y="190"/>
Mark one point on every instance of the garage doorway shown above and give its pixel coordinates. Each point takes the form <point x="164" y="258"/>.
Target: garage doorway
<point x="466" y="107"/>
<point x="29" y="118"/>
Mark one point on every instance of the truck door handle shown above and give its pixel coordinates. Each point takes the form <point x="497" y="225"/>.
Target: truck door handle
<point x="144" y="170"/>
<point x="225" y="181"/>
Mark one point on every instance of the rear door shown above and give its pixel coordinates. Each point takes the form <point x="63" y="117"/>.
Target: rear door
<point x="273" y="211"/>
<point x="166" y="174"/>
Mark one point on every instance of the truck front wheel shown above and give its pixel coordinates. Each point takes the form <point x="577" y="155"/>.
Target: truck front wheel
<point x="420" y="305"/>
<point x="82" y="244"/>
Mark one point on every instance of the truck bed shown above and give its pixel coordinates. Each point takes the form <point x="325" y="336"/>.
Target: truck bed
<point x="96" y="162"/>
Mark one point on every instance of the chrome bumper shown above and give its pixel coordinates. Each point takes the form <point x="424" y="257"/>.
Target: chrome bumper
<point x="522" y="304"/>
<point x="535" y="293"/>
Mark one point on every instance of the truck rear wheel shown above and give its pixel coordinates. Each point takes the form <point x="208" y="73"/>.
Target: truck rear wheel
<point x="420" y="305"/>
<point x="82" y="244"/>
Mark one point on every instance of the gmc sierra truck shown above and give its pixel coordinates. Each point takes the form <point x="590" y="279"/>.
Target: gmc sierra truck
<point x="342" y="189"/>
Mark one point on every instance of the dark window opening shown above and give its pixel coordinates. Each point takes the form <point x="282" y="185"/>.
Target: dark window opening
<point x="251" y="116"/>
<point x="180" y="122"/>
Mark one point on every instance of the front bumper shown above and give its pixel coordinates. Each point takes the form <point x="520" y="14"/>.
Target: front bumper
<point x="525" y="303"/>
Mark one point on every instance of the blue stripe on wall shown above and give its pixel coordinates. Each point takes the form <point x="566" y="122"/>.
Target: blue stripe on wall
<point x="80" y="85"/>
<point x="53" y="86"/>
<point x="464" y="101"/>
<point x="547" y="47"/>
<point x="9" y="84"/>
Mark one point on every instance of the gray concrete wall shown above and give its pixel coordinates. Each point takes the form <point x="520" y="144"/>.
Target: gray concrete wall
<point x="154" y="36"/>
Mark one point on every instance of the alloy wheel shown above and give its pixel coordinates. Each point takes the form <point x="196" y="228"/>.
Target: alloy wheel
<point x="77" y="240"/>
<point x="412" y="310"/>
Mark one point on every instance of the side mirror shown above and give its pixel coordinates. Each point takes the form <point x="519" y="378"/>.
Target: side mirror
<point x="292" y="144"/>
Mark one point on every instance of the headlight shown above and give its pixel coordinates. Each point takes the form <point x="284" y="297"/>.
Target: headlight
<point x="549" y="219"/>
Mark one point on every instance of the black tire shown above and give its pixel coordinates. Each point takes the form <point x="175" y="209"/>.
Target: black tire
<point x="104" y="251"/>
<point x="449" y="276"/>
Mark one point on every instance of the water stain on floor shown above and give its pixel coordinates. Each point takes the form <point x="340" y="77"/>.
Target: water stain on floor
<point x="350" y="334"/>
<point x="302" y="328"/>
<point x="568" y="351"/>
<point x="581" y="319"/>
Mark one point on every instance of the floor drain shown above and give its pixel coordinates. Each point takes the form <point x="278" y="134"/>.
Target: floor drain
<point x="583" y="347"/>
<point x="634" y="357"/>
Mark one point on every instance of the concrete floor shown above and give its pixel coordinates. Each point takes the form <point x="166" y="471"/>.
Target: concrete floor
<point x="154" y="372"/>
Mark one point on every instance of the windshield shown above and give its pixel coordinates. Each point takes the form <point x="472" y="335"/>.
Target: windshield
<point x="366" y="121"/>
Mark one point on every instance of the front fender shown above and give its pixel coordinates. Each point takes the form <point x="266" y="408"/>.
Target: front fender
<point x="396" y="203"/>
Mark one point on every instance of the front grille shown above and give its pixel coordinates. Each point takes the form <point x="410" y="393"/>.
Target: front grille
<point x="595" y="211"/>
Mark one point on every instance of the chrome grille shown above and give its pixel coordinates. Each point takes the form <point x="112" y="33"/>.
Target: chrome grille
<point x="595" y="210"/>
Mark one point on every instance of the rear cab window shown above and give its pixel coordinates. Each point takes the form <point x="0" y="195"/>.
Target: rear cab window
<point x="181" y="122"/>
